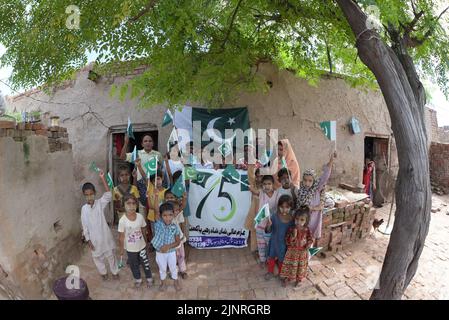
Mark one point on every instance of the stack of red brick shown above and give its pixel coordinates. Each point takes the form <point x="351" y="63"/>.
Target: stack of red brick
<point x="345" y="225"/>
<point x="58" y="138"/>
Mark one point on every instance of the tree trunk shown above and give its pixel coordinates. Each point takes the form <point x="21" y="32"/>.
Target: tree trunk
<point x="413" y="196"/>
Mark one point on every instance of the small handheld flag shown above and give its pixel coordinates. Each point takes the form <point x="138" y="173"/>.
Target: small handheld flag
<point x="231" y="174"/>
<point x="151" y="166"/>
<point x="109" y="181"/>
<point x="168" y="118"/>
<point x="263" y="213"/>
<point x="190" y="173"/>
<point x="93" y="167"/>
<point x="225" y="149"/>
<point x="134" y="155"/>
<point x="314" y="250"/>
<point x="129" y="129"/>
<point x="178" y="188"/>
<point x="329" y="129"/>
<point x="172" y="139"/>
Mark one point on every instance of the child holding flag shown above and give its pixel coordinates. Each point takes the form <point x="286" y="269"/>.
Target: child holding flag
<point x="310" y="194"/>
<point x="277" y="225"/>
<point x="267" y="202"/>
<point x="96" y="230"/>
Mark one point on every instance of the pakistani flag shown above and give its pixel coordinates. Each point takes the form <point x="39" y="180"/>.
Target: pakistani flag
<point x="330" y="129"/>
<point x="231" y="175"/>
<point x="129" y="129"/>
<point x="313" y="251"/>
<point x="201" y="178"/>
<point x="173" y="139"/>
<point x="110" y="181"/>
<point x="151" y="166"/>
<point x="168" y="118"/>
<point x="178" y="188"/>
<point x="189" y="173"/>
<point x="225" y="148"/>
<point x="93" y="167"/>
<point x="219" y="119"/>
<point x="284" y="163"/>
<point x="134" y="155"/>
<point x="262" y="214"/>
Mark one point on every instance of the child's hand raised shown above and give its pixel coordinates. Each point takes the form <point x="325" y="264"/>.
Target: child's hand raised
<point x="101" y="174"/>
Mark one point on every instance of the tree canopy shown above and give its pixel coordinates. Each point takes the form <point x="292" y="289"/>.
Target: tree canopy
<point x="208" y="51"/>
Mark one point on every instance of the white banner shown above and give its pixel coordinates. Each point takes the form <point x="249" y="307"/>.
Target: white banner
<point x="218" y="209"/>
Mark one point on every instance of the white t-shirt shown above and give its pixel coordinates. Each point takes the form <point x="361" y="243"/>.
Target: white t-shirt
<point x="175" y="165"/>
<point x="178" y="220"/>
<point x="134" y="240"/>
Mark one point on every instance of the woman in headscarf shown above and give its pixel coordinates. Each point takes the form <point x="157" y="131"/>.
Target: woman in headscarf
<point x="286" y="153"/>
<point x="311" y="194"/>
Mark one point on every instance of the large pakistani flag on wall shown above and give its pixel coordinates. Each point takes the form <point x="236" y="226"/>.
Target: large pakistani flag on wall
<point x="219" y="119"/>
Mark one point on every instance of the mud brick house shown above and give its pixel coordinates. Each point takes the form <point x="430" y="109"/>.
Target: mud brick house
<point x="40" y="227"/>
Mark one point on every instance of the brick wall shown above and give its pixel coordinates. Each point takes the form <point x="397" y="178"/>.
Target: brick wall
<point x="439" y="164"/>
<point x="58" y="138"/>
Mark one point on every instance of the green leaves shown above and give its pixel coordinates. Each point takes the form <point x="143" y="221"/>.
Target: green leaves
<point x="202" y="50"/>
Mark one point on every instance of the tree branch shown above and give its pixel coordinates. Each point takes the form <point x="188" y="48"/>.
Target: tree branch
<point x="234" y="14"/>
<point x="149" y="6"/>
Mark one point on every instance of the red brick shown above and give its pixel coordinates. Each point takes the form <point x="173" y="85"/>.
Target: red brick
<point x="7" y="125"/>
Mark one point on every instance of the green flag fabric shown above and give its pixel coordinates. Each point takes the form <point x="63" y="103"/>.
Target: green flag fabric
<point x="262" y="214"/>
<point x="178" y="188"/>
<point x="109" y="181"/>
<point x="314" y="250"/>
<point x="329" y="129"/>
<point x="129" y="129"/>
<point x="93" y="167"/>
<point x="168" y="118"/>
<point x="201" y="178"/>
<point x="231" y="174"/>
<point x="189" y="173"/>
<point x="151" y="166"/>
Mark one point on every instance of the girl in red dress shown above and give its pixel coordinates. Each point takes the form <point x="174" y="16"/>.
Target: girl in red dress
<point x="299" y="240"/>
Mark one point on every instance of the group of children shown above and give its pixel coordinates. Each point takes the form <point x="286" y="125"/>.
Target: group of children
<point x="148" y="213"/>
<point x="294" y="224"/>
<point x="163" y="227"/>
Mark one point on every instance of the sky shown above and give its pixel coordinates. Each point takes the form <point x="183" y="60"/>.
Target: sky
<point x="438" y="101"/>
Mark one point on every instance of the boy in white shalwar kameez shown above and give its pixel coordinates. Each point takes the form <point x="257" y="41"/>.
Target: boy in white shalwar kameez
<point x="96" y="230"/>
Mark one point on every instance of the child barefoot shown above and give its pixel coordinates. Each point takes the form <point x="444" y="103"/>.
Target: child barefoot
<point x="166" y="239"/>
<point x="132" y="231"/>
<point x="299" y="240"/>
<point x="96" y="230"/>
<point x="180" y="253"/>
<point x="266" y="195"/>
<point x="278" y="225"/>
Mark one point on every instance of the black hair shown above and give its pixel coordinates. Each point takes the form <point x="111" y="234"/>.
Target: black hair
<point x="257" y="171"/>
<point x="301" y="211"/>
<point x="173" y="203"/>
<point x="282" y="172"/>
<point x="123" y="168"/>
<point x="146" y="135"/>
<point x="285" y="199"/>
<point x="176" y="175"/>
<point x="168" y="191"/>
<point x="166" y="206"/>
<point x="88" y="186"/>
<point x="128" y="196"/>
<point x="268" y="177"/>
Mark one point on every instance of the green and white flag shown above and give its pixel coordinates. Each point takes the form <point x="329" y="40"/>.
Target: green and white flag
<point x="178" y="188"/>
<point x="218" y="119"/>
<point x="329" y="129"/>
<point x="173" y="139"/>
<point x="134" y="155"/>
<point x="231" y="174"/>
<point x="151" y="166"/>
<point x="93" y="167"/>
<point x="314" y="250"/>
<point x="263" y="213"/>
<point x="129" y="129"/>
<point x="168" y="118"/>
<point x="109" y="181"/>
<point x="189" y="173"/>
<point x="225" y="148"/>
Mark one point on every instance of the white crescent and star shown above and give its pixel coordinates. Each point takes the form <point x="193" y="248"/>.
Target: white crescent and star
<point x="211" y="131"/>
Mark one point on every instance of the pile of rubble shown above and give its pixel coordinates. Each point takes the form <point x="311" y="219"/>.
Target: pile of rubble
<point x="438" y="189"/>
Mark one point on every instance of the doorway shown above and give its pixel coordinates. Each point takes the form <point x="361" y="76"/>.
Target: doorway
<point x="377" y="149"/>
